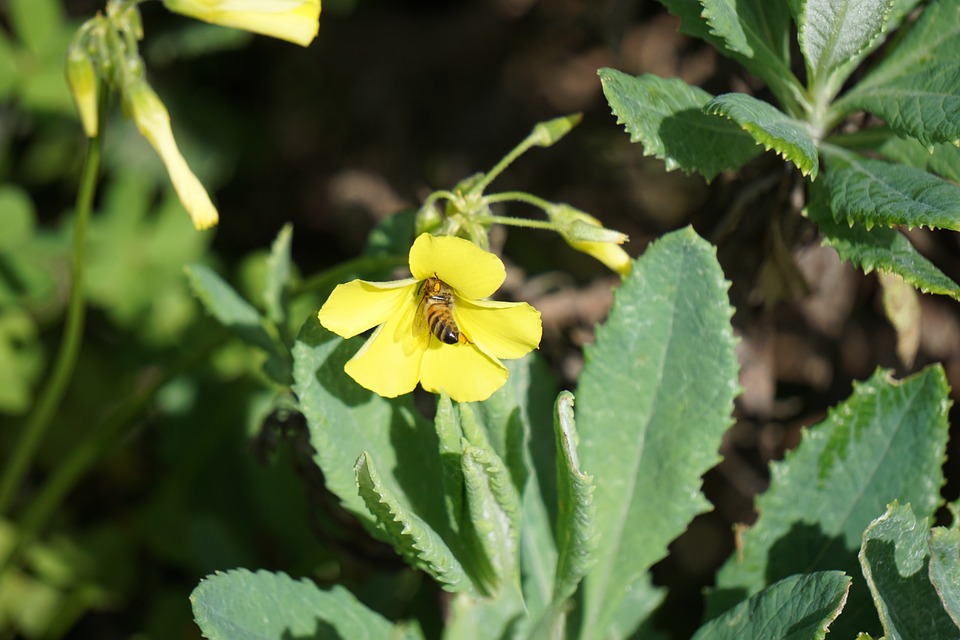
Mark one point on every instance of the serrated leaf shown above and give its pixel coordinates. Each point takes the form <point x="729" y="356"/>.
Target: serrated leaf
<point x="648" y="428"/>
<point x="916" y="89"/>
<point x="665" y="115"/>
<point x="945" y="568"/>
<point x="413" y="538"/>
<point x="879" y="248"/>
<point x="943" y="159"/>
<point x="895" y="560"/>
<point x="241" y="605"/>
<point x="345" y="420"/>
<point x="838" y="33"/>
<point x="801" y="606"/>
<point x="278" y="275"/>
<point x="478" y="618"/>
<point x="493" y="507"/>
<point x="576" y="540"/>
<point x="872" y="192"/>
<point x="772" y="128"/>
<point x="826" y="491"/>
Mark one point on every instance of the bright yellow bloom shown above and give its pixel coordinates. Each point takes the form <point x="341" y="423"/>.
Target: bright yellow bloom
<point x="404" y="351"/>
<point x="292" y="20"/>
<point x="153" y="121"/>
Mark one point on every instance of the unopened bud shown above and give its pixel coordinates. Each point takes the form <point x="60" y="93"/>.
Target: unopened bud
<point x="546" y="134"/>
<point x="82" y="79"/>
<point x="585" y="233"/>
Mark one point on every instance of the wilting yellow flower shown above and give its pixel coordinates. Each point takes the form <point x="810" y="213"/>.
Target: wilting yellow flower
<point x="585" y="233"/>
<point x="82" y="79"/>
<point x="293" y="20"/>
<point x="153" y="121"/>
<point x="434" y="328"/>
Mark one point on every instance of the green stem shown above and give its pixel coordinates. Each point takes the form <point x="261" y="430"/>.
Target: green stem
<point x="517" y="222"/>
<point x="51" y="396"/>
<point x="90" y="450"/>
<point x="518" y="196"/>
<point x="515" y="153"/>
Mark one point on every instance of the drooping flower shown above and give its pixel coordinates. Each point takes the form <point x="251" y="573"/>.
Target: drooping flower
<point x="585" y="233"/>
<point x="82" y="80"/>
<point x="435" y="328"/>
<point x="296" y="21"/>
<point x="153" y="121"/>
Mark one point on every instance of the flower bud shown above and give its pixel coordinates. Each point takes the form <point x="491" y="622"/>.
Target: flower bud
<point x="546" y="134"/>
<point x="584" y="233"/>
<point x="153" y="121"/>
<point x="296" y="21"/>
<point x="82" y="79"/>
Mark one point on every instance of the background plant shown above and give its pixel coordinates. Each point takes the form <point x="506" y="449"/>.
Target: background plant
<point x="181" y="495"/>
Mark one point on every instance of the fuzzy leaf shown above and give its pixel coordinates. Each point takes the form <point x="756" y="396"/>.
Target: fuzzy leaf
<point x="879" y="248"/>
<point x="916" y="89"/>
<point x="945" y="568"/>
<point x="826" y="491"/>
<point x="895" y="559"/>
<point x="477" y="618"/>
<point x="872" y="192"/>
<point x="770" y="127"/>
<point x="241" y="605"/>
<point x="801" y="606"/>
<point x="942" y="159"/>
<point x="665" y="116"/>
<point x="575" y="535"/>
<point x="648" y="428"/>
<point x="345" y="420"/>
<point x="493" y="507"/>
<point x="411" y="536"/>
<point x="278" y="275"/>
<point x="839" y="33"/>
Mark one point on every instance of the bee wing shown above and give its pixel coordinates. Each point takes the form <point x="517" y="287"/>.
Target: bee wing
<point x="421" y="328"/>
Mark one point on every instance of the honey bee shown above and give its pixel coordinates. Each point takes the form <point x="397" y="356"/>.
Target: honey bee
<point x="435" y="312"/>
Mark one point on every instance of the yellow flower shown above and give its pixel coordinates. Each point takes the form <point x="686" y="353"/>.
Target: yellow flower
<point x="585" y="233"/>
<point x="292" y="20"/>
<point x="405" y="349"/>
<point x="153" y="121"/>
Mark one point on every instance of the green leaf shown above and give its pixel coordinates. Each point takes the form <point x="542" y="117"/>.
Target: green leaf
<point x="18" y="217"/>
<point x="757" y="29"/>
<point x="916" y="89"/>
<point x="665" y="115"/>
<point x="478" y="618"/>
<point x="8" y="67"/>
<point x="411" y="536"/>
<point x="345" y="420"/>
<point x="21" y="360"/>
<point x="649" y="429"/>
<point x="493" y="507"/>
<point x="872" y="192"/>
<point x="838" y="34"/>
<point x="826" y="491"/>
<point x="229" y="309"/>
<point x="945" y="568"/>
<point x="801" y="606"/>
<point x="37" y="22"/>
<point x="879" y="248"/>
<point x="942" y="159"/>
<point x="575" y="534"/>
<point x="241" y="605"/>
<point x="895" y="558"/>
<point x="769" y="126"/>
<point x="278" y="275"/>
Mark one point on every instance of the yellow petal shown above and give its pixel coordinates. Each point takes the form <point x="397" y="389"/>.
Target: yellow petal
<point x="612" y="255"/>
<point x="389" y="362"/>
<point x="356" y="306"/>
<point x="462" y="371"/>
<point x="292" y="20"/>
<point x="503" y="329"/>
<point x="471" y="271"/>
<point x="82" y="79"/>
<point x="153" y="121"/>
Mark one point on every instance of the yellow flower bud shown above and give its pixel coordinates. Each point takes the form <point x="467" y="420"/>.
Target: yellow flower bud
<point x="585" y="233"/>
<point x="82" y="79"/>
<point x="153" y="121"/>
<point x="296" y="21"/>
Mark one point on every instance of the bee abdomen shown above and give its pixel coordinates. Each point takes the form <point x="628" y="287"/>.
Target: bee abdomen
<point x="444" y="331"/>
